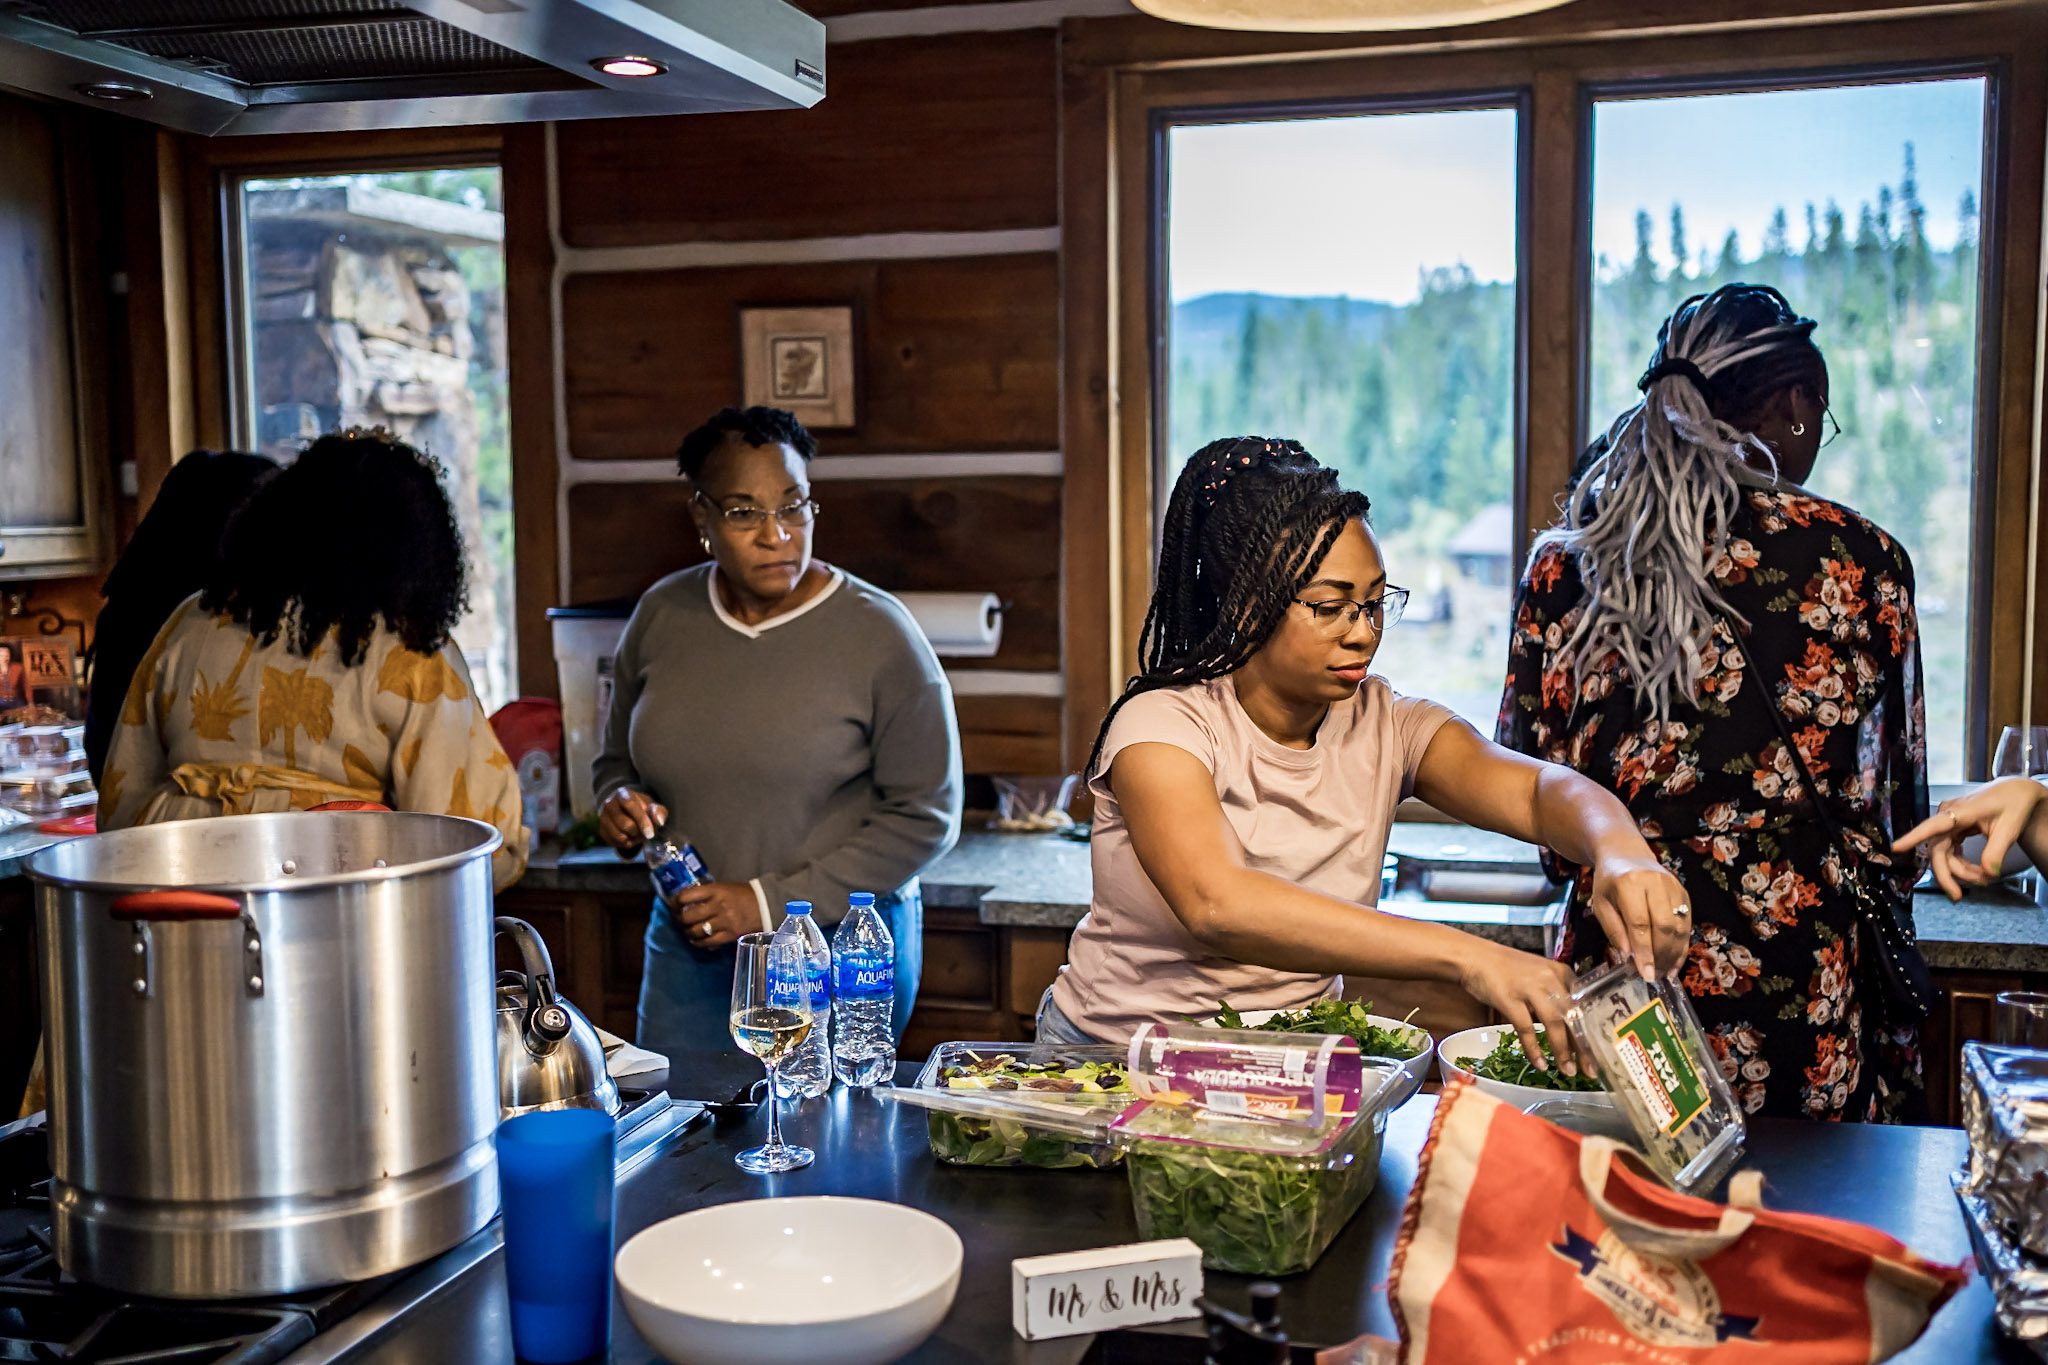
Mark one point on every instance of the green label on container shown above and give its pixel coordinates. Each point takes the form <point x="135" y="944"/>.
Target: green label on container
<point x="1658" y="1064"/>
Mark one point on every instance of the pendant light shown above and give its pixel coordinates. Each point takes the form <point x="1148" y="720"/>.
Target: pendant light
<point x="1338" y="16"/>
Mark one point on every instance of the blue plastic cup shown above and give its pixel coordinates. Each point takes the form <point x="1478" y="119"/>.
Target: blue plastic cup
<point x="555" y="1171"/>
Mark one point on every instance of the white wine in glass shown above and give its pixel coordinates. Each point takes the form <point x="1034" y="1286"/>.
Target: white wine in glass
<point x="769" y="1031"/>
<point x="771" y="1015"/>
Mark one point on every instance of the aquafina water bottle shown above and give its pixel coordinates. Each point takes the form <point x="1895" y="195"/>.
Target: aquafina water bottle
<point x="807" y="1073"/>
<point x="864" y="994"/>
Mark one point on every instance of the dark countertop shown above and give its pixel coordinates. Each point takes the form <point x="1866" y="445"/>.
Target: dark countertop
<point x="1895" y="1179"/>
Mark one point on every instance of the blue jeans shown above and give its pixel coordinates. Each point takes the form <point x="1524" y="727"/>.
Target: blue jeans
<point x="686" y="991"/>
<point x="1055" y="1027"/>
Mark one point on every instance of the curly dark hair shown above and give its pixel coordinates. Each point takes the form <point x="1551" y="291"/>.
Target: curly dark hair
<point x="356" y="531"/>
<point x="757" y="426"/>
<point x="1250" y="519"/>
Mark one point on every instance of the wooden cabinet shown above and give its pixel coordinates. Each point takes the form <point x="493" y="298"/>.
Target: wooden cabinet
<point x="1964" y="1015"/>
<point x="52" y="426"/>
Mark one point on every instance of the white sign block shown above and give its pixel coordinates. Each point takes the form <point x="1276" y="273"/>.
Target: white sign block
<point x="1094" y="1291"/>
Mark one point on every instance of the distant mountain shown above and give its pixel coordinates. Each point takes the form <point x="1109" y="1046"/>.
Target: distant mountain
<point x="1217" y="320"/>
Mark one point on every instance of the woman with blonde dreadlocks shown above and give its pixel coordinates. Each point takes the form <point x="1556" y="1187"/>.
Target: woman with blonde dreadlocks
<point x="1246" y="780"/>
<point x="1738" y="660"/>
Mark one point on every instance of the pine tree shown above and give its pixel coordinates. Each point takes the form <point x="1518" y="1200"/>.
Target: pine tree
<point x="1777" y="237"/>
<point x="1678" y="251"/>
<point x="1729" y="267"/>
<point x="1249" y="341"/>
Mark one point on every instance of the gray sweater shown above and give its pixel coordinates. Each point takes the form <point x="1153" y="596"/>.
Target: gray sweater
<point x="813" y="755"/>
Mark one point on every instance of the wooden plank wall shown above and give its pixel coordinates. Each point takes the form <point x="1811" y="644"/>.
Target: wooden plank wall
<point x="940" y="156"/>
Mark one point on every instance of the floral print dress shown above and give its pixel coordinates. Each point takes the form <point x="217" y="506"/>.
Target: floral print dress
<point x="1833" y="643"/>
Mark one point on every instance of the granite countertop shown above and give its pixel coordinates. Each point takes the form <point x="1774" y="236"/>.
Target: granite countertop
<point x="19" y="843"/>
<point x="1042" y="881"/>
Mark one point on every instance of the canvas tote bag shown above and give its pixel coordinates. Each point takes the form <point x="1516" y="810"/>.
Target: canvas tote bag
<point x="1526" y="1244"/>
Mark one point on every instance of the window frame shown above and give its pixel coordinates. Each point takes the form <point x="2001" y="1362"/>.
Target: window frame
<point x="1118" y="73"/>
<point x="225" y="377"/>
<point x="1166" y="461"/>
<point x="1990" y="241"/>
<point x="238" y="376"/>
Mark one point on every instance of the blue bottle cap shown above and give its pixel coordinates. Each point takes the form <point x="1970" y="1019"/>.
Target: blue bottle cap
<point x="859" y="898"/>
<point x="796" y="908"/>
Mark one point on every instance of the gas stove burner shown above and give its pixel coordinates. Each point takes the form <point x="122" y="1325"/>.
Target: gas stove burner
<point x="53" y="1324"/>
<point x="47" y="1318"/>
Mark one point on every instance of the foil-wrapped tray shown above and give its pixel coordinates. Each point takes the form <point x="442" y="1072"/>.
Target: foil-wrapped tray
<point x="2005" y="1111"/>
<point x="2019" y="1282"/>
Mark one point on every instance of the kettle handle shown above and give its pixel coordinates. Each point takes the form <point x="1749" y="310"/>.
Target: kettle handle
<point x="547" y="1023"/>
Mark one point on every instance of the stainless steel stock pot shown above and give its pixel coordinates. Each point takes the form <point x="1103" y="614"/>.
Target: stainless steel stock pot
<point x="270" y="1042"/>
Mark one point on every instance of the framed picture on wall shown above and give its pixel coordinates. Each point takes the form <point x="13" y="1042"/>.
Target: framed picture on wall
<point x="800" y="359"/>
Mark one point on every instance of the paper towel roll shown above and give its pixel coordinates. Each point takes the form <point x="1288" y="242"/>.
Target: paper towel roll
<point x="964" y="625"/>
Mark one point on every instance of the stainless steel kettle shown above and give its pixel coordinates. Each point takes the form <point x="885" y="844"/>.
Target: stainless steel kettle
<point x="549" y="1056"/>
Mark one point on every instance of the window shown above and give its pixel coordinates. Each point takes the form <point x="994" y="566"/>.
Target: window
<point x="379" y="300"/>
<point x="1350" y="282"/>
<point x="1868" y="221"/>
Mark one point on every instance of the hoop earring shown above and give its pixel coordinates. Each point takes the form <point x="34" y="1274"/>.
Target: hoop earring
<point x="1798" y="429"/>
<point x="705" y="541"/>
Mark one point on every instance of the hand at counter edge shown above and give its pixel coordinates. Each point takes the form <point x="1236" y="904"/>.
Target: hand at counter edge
<point x="2012" y="810"/>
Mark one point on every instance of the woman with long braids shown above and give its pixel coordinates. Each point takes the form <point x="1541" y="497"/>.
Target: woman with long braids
<point x="1246" y="780"/>
<point x="1723" y="650"/>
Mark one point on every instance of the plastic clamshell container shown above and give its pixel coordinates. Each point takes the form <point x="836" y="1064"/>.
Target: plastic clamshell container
<point x="1663" y="1074"/>
<point x="1259" y="1197"/>
<point x="1021" y="1127"/>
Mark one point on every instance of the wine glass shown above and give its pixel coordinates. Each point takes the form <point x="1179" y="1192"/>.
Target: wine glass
<point x="2022" y="752"/>
<point x="771" y="1015"/>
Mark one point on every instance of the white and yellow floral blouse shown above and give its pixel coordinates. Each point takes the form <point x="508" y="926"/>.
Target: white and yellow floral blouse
<point x="218" y="723"/>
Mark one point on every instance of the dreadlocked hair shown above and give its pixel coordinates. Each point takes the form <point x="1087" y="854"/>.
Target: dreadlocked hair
<point x="1650" y="511"/>
<point x="1249" y="520"/>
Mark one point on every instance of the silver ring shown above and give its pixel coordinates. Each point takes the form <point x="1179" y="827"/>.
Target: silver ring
<point x="705" y="929"/>
<point x="1681" y="910"/>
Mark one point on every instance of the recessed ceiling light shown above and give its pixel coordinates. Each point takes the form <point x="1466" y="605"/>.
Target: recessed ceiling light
<point x="114" y="90"/>
<point x="630" y="66"/>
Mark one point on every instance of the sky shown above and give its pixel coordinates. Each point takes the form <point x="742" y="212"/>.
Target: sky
<point x="1358" y="205"/>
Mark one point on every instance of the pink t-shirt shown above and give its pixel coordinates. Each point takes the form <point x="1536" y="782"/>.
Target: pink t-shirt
<point x="1318" y="817"/>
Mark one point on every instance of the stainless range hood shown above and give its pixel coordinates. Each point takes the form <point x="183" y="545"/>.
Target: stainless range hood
<point x="289" y="66"/>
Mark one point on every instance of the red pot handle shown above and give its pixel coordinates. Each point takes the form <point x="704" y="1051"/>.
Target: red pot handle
<point x="174" y="905"/>
<point x="351" y="805"/>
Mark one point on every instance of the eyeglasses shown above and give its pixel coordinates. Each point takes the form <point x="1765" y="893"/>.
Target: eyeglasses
<point x="750" y="518"/>
<point x="1339" y="614"/>
<point x="1835" y="428"/>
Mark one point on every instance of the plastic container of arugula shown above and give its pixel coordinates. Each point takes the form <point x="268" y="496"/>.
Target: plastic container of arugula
<point x="1260" y="1197"/>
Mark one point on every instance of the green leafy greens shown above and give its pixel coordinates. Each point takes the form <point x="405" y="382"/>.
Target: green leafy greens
<point x="1251" y="1212"/>
<point x="971" y="1141"/>
<point x="1344" y="1017"/>
<point x="1508" y="1063"/>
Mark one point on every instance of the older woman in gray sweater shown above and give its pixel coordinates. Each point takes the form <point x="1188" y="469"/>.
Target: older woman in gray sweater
<point x="788" y="719"/>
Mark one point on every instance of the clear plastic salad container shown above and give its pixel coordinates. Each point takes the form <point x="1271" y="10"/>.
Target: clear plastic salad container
<point x="1022" y="1104"/>
<point x="1657" y="1063"/>
<point x="1260" y="1196"/>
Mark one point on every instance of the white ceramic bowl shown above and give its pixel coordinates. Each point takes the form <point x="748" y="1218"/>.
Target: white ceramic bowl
<point x="1416" y="1068"/>
<point x="790" y="1282"/>
<point x="1477" y="1042"/>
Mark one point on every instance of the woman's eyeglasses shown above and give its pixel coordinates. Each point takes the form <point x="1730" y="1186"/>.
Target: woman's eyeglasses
<point x="1338" y="615"/>
<point x="751" y="518"/>
<point x="1834" y="428"/>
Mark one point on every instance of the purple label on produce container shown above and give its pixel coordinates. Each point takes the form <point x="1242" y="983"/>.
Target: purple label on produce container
<point x="1302" y="1078"/>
